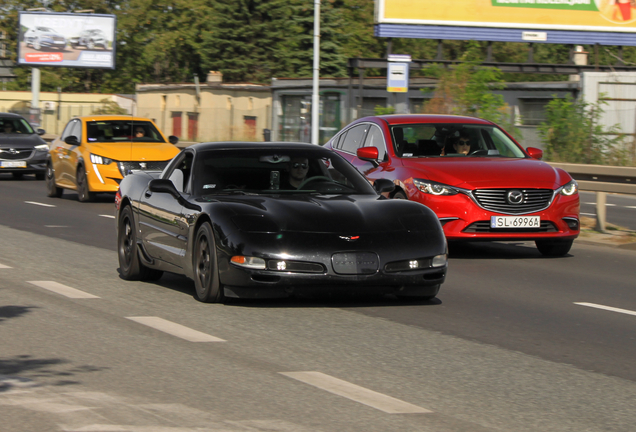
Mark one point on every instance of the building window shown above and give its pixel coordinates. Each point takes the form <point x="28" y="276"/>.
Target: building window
<point x="532" y="110"/>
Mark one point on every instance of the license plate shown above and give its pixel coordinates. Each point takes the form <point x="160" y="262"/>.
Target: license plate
<point x="515" y="222"/>
<point x="13" y="164"/>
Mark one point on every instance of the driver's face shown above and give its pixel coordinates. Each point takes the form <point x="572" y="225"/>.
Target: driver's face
<point x="462" y="146"/>
<point x="298" y="168"/>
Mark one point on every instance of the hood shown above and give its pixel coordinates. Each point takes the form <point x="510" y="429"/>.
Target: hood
<point x="20" y="140"/>
<point x="127" y="151"/>
<point x="350" y="215"/>
<point x="482" y="172"/>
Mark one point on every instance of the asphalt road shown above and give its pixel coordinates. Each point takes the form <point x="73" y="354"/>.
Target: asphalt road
<point x="620" y="209"/>
<point x="515" y="342"/>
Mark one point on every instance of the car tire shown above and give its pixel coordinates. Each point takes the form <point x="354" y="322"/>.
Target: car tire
<point x="83" y="192"/>
<point x="130" y="266"/>
<point x="206" y="271"/>
<point x="399" y="195"/>
<point x="51" y="188"/>
<point x="554" y="248"/>
<point x="17" y="175"/>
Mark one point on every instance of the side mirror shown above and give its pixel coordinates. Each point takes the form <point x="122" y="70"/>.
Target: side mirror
<point x="369" y="154"/>
<point x="535" y="153"/>
<point x="41" y="131"/>
<point x="71" y="140"/>
<point x="173" y="139"/>
<point x="383" y="185"/>
<point x="163" y="186"/>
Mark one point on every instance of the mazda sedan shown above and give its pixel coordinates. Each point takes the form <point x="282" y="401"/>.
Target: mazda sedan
<point x="480" y="182"/>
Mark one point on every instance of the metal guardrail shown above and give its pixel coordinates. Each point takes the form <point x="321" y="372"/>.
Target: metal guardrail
<point x="601" y="179"/>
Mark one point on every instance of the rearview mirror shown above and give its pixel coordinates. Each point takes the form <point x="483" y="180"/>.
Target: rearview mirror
<point x="163" y="186"/>
<point x="369" y="154"/>
<point x="41" y="131"/>
<point x="173" y="139"/>
<point x="383" y="185"/>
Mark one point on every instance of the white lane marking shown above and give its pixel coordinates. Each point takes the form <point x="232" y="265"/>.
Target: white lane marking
<point x="588" y="214"/>
<point x="356" y="393"/>
<point x="175" y="329"/>
<point x="39" y="203"/>
<point x="108" y="216"/>
<point x="634" y="207"/>
<point x="62" y="289"/>
<point x="56" y="226"/>
<point x="2" y="266"/>
<point x="610" y="205"/>
<point x="609" y="308"/>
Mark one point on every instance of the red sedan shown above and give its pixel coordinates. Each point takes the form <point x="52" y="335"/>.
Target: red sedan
<point x="478" y="180"/>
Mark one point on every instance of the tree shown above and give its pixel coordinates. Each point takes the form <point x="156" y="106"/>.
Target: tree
<point x="467" y="89"/>
<point x="573" y="133"/>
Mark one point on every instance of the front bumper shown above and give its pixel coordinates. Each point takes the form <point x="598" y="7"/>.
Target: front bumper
<point x="463" y="219"/>
<point x="33" y="162"/>
<point x="106" y="178"/>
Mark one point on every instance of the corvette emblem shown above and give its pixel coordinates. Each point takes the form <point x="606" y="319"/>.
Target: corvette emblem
<point x="350" y="238"/>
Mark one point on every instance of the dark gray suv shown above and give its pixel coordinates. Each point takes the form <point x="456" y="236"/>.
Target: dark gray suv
<point x="22" y="150"/>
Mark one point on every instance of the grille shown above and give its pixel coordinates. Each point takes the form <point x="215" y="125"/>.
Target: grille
<point x="484" y="227"/>
<point x="495" y="200"/>
<point x="7" y="154"/>
<point x="126" y="167"/>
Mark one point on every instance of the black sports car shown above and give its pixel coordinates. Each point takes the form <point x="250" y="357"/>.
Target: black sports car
<point x="260" y="220"/>
<point x="22" y="150"/>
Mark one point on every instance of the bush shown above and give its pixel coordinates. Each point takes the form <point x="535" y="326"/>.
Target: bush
<point x="572" y="133"/>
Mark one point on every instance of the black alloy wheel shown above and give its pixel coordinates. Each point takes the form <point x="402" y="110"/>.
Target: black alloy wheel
<point x="206" y="272"/>
<point x="83" y="193"/>
<point x="130" y="266"/>
<point x="51" y="188"/>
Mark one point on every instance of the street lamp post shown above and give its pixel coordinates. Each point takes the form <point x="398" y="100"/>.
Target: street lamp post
<point x="315" y="97"/>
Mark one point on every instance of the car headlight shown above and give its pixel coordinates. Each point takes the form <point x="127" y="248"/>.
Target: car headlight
<point x="42" y="147"/>
<point x="434" y="188"/>
<point x="572" y="188"/>
<point x="249" y="262"/>
<point x="100" y="160"/>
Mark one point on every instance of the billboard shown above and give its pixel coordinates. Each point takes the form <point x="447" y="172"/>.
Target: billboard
<point x="67" y="40"/>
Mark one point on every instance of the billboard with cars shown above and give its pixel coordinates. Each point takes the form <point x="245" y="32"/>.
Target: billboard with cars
<point x="575" y="15"/>
<point x="67" y="40"/>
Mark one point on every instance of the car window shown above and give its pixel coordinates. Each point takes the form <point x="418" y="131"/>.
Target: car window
<point x="122" y="130"/>
<point x="67" y="130"/>
<point x="77" y="129"/>
<point x="354" y="138"/>
<point x="180" y="171"/>
<point x="375" y="139"/>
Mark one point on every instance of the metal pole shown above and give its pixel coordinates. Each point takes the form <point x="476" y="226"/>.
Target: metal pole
<point x="35" y="88"/>
<point x="315" y="98"/>
<point x="601" y="211"/>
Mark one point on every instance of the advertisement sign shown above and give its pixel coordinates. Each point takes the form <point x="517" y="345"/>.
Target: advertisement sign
<point x="67" y="40"/>
<point x="571" y="15"/>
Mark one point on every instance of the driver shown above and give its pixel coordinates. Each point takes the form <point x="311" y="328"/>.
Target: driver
<point x="462" y="145"/>
<point x="298" y="169"/>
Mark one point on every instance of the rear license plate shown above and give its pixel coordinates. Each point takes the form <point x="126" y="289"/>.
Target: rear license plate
<point x="13" y="164"/>
<point x="515" y="222"/>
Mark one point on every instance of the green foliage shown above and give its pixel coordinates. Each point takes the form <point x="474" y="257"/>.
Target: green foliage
<point x="467" y="89"/>
<point x="572" y="133"/>
<point x="380" y="110"/>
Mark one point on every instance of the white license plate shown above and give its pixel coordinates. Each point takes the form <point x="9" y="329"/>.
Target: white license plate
<point x="515" y="222"/>
<point x="13" y="164"/>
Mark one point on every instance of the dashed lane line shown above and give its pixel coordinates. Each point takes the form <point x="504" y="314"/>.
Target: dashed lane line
<point x="108" y="216"/>
<point x="39" y="203"/>
<point x="608" y="308"/>
<point x="356" y="393"/>
<point x="64" y="290"/>
<point x="175" y="329"/>
<point x="2" y="266"/>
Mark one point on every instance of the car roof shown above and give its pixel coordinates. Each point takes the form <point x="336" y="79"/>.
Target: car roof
<point x="396" y="119"/>
<point x="245" y="145"/>
<point x="104" y="117"/>
<point x="11" y="115"/>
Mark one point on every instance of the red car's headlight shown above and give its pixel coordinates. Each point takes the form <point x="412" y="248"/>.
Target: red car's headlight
<point x="434" y="188"/>
<point x="572" y="188"/>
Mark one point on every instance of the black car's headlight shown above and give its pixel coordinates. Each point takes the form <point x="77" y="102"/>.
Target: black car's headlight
<point x="571" y="188"/>
<point x="42" y="147"/>
<point x="434" y="188"/>
<point x="100" y="160"/>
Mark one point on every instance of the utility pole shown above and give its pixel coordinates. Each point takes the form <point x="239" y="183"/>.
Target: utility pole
<point x="315" y="98"/>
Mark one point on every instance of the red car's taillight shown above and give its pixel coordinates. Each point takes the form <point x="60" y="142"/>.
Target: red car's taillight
<point x="117" y="199"/>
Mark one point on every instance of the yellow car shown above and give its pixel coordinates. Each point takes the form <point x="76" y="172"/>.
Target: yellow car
<point x="94" y="153"/>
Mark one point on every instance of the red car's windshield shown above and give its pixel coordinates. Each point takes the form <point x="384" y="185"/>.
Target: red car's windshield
<point x="452" y="140"/>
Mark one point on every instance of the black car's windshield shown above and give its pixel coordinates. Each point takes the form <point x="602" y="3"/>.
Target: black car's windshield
<point x="276" y="171"/>
<point x="122" y="130"/>
<point x="452" y="140"/>
<point x="15" y="125"/>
